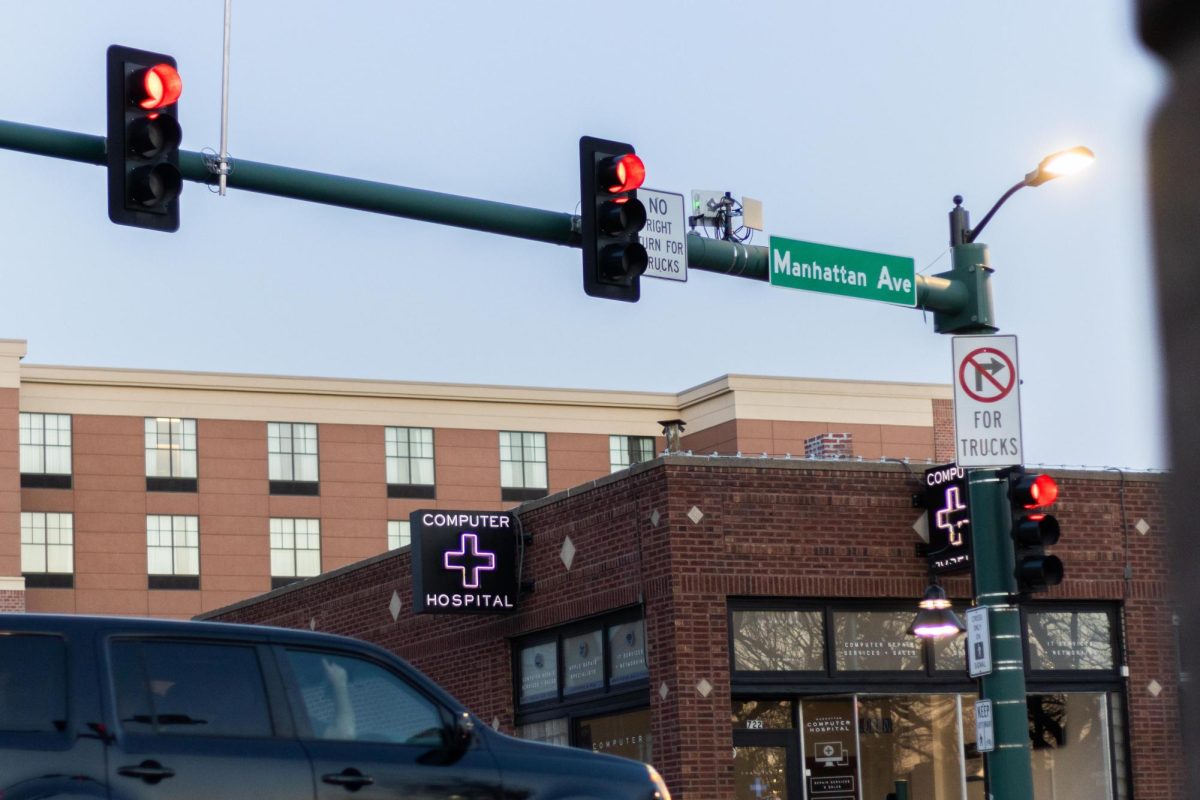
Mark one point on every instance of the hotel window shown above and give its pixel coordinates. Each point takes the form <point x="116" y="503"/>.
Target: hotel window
<point x="173" y="551"/>
<point x="170" y="454"/>
<point x="45" y="450"/>
<point x="399" y="534"/>
<point x="47" y="550"/>
<point x="292" y="457"/>
<point x="295" y="550"/>
<point x="409" y="462"/>
<point x="625" y="451"/>
<point x="522" y="465"/>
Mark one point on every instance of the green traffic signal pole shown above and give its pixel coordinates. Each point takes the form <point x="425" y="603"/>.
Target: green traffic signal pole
<point x="1008" y="768"/>
<point x="940" y="294"/>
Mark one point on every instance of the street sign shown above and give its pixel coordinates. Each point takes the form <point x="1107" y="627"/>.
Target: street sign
<point x="979" y="642"/>
<point x="949" y="519"/>
<point x="664" y="235"/>
<point x="840" y="270"/>
<point x="985" y="727"/>
<point x="987" y="401"/>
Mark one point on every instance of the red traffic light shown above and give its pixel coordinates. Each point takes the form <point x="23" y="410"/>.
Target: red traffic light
<point x="159" y="86"/>
<point x="1042" y="492"/>
<point x="621" y="174"/>
<point x="1035" y="491"/>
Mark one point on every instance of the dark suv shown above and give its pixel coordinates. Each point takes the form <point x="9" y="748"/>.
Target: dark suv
<point x="128" y="709"/>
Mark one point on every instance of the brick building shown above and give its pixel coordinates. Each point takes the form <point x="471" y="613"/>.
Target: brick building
<point x="169" y="493"/>
<point x="740" y="623"/>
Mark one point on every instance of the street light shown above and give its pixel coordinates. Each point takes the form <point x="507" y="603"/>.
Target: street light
<point x="936" y="619"/>
<point x="1055" y="165"/>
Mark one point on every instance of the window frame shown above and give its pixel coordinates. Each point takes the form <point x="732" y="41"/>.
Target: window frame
<point x="172" y="482"/>
<point x="410" y="489"/>
<point x="278" y="581"/>
<point x="299" y="711"/>
<point x="404" y="532"/>
<point x="627" y="450"/>
<point x="754" y="683"/>
<point x="1057" y="677"/>
<point x="46" y="579"/>
<point x="291" y="485"/>
<point x="173" y="580"/>
<point x="42" y="479"/>
<point x="524" y="491"/>
<point x="278" y="707"/>
<point x="608" y="698"/>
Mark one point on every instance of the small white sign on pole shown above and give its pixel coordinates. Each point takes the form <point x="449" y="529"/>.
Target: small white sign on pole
<point x="987" y="401"/>
<point x="979" y="642"/>
<point x="985" y="727"/>
<point x="665" y="234"/>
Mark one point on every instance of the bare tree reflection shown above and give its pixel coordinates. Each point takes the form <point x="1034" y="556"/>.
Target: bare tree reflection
<point x="1070" y="640"/>
<point x="778" y="640"/>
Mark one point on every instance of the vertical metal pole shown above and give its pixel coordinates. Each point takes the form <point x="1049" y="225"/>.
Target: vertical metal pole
<point x="223" y="156"/>
<point x="1009" y="770"/>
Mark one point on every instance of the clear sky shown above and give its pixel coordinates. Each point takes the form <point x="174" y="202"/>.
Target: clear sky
<point x="855" y="122"/>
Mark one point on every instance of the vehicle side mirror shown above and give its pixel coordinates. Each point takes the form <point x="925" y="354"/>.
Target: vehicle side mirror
<point x="456" y="740"/>
<point x="462" y="732"/>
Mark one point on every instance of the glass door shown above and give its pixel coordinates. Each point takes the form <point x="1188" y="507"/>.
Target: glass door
<point x="829" y="741"/>
<point x="857" y="747"/>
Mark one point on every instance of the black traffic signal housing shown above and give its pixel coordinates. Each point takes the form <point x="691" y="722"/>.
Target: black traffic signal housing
<point x="144" y="181"/>
<point x="612" y="217"/>
<point x="1033" y="530"/>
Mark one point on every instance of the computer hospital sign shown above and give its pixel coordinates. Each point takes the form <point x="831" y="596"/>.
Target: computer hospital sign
<point x="464" y="562"/>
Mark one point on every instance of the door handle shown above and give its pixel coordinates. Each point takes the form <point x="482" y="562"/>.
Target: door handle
<point x="150" y="771"/>
<point x="350" y="778"/>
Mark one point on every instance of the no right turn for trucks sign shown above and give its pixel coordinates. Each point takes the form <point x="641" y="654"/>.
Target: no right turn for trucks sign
<point x="987" y="401"/>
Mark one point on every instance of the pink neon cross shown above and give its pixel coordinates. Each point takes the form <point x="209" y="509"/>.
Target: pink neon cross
<point x="469" y="561"/>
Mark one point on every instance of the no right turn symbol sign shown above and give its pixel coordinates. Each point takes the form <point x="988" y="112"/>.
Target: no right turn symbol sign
<point x="987" y="404"/>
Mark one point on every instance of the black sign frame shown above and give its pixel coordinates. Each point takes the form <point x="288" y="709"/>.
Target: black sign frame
<point x="464" y="562"/>
<point x="947" y="504"/>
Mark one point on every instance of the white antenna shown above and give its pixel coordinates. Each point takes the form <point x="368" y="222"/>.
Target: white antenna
<point x="223" y="156"/>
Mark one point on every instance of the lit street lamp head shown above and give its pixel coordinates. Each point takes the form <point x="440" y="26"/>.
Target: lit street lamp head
<point x="1056" y="165"/>
<point x="936" y="619"/>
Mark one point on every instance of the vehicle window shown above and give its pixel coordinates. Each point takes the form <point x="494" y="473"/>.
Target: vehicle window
<point x="33" y="684"/>
<point x="191" y="689"/>
<point x="350" y="698"/>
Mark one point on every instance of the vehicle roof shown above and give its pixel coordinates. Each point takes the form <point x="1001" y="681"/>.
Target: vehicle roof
<point x="82" y="623"/>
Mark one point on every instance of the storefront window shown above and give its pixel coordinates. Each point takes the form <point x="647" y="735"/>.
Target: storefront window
<point x="1069" y="734"/>
<point x="778" y="640"/>
<point x="1070" y="640"/>
<point x="875" y="641"/>
<point x="551" y="731"/>
<point x="583" y="662"/>
<point x="910" y="737"/>
<point x="625" y="734"/>
<point x="539" y="672"/>
<point x="627" y="652"/>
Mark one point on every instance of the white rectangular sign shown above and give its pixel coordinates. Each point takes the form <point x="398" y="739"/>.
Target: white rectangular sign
<point x="987" y="401"/>
<point x="979" y="642"/>
<point x="665" y="234"/>
<point x="985" y="727"/>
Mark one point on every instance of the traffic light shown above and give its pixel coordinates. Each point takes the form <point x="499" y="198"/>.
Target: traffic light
<point x="143" y="139"/>
<point x="613" y="258"/>
<point x="1033" y="530"/>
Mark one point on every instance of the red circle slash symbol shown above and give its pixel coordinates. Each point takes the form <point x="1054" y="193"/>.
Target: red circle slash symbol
<point x="977" y="375"/>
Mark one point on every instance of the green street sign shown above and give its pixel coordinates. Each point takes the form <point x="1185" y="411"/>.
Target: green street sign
<point x="839" y="270"/>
